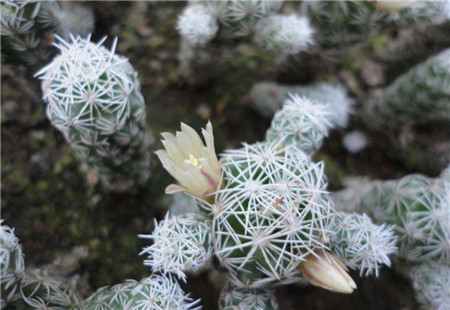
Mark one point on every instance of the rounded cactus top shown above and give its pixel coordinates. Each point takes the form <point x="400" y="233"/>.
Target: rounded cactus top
<point x="90" y="90"/>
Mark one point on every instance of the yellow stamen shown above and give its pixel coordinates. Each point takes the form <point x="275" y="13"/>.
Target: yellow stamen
<point x="197" y="162"/>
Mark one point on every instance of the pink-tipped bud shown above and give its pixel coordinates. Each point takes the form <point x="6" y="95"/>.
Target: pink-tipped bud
<point x="325" y="270"/>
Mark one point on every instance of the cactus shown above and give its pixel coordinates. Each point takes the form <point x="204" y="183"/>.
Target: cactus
<point x="180" y="244"/>
<point x="272" y="212"/>
<point x="93" y="97"/>
<point x="431" y="283"/>
<point x="285" y="34"/>
<point x="342" y="25"/>
<point x="43" y="293"/>
<point x="246" y="299"/>
<point x="418" y="206"/>
<point x="267" y="97"/>
<point x="11" y="263"/>
<point x="197" y="24"/>
<point x="360" y="244"/>
<point x="152" y="293"/>
<point x="300" y="122"/>
<point x="420" y="96"/>
<point x="27" y="28"/>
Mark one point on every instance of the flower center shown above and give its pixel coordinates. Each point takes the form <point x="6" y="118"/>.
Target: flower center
<point x="194" y="161"/>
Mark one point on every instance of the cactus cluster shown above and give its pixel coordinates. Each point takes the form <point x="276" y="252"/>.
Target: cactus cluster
<point x="418" y="206"/>
<point x="268" y="214"/>
<point x="93" y="97"/>
<point x="200" y="22"/>
<point x="28" y="27"/>
<point x="152" y="293"/>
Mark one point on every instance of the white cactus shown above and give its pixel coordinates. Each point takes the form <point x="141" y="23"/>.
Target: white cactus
<point x="302" y="123"/>
<point x="93" y="97"/>
<point x="286" y="34"/>
<point x="180" y="244"/>
<point x="197" y="24"/>
<point x="360" y="244"/>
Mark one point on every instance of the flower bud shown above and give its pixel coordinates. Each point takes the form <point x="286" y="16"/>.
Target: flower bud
<point x="325" y="270"/>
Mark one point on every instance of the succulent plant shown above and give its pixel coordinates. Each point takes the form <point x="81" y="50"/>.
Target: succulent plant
<point x="197" y="25"/>
<point x="93" y="97"/>
<point x="300" y="122"/>
<point x="232" y="298"/>
<point x="180" y="244"/>
<point x="285" y="34"/>
<point x="360" y="244"/>
<point x="12" y="266"/>
<point x="27" y="28"/>
<point x="418" y="206"/>
<point x="268" y="97"/>
<point x="431" y="283"/>
<point x="152" y="293"/>
<point x="420" y="96"/>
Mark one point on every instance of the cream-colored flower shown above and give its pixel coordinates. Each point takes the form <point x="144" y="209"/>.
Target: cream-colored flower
<point x="190" y="162"/>
<point x="325" y="270"/>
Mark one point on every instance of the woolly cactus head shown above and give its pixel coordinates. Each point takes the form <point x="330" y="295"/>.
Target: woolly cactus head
<point x="12" y="266"/>
<point x="232" y="298"/>
<point x="360" y="244"/>
<point x="431" y="283"/>
<point x="354" y="141"/>
<point x="197" y="24"/>
<point x="180" y="244"/>
<point x="272" y="211"/>
<point x="153" y="293"/>
<point x="286" y="34"/>
<point x="301" y="123"/>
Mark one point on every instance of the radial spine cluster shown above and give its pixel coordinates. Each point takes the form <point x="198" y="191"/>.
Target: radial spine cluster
<point x="180" y="244"/>
<point x="360" y="244"/>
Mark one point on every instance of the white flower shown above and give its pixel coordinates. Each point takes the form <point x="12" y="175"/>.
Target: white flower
<point x="190" y="162"/>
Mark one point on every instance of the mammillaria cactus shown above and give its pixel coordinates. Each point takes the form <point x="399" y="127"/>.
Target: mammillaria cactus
<point x="418" y="206"/>
<point x="268" y="97"/>
<point x="360" y="244"/>
<point x="285" y="34"/>
<point x="197" y="24"/>
<point x="11" y="263"/>
<point x="93" y="97"/>
<point x="420" y="96"/>
<point x="152" y="293"/>
<point x="272" y="212"/>
<point x="354" y="141"/>
<point x="180" y="244"/>
<point x="27" y="28"/>
<point x="246" y="299"/>
<point x="300" y="122"/>
<point x="272" y="221"/>
<point x="431" y="283"/>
